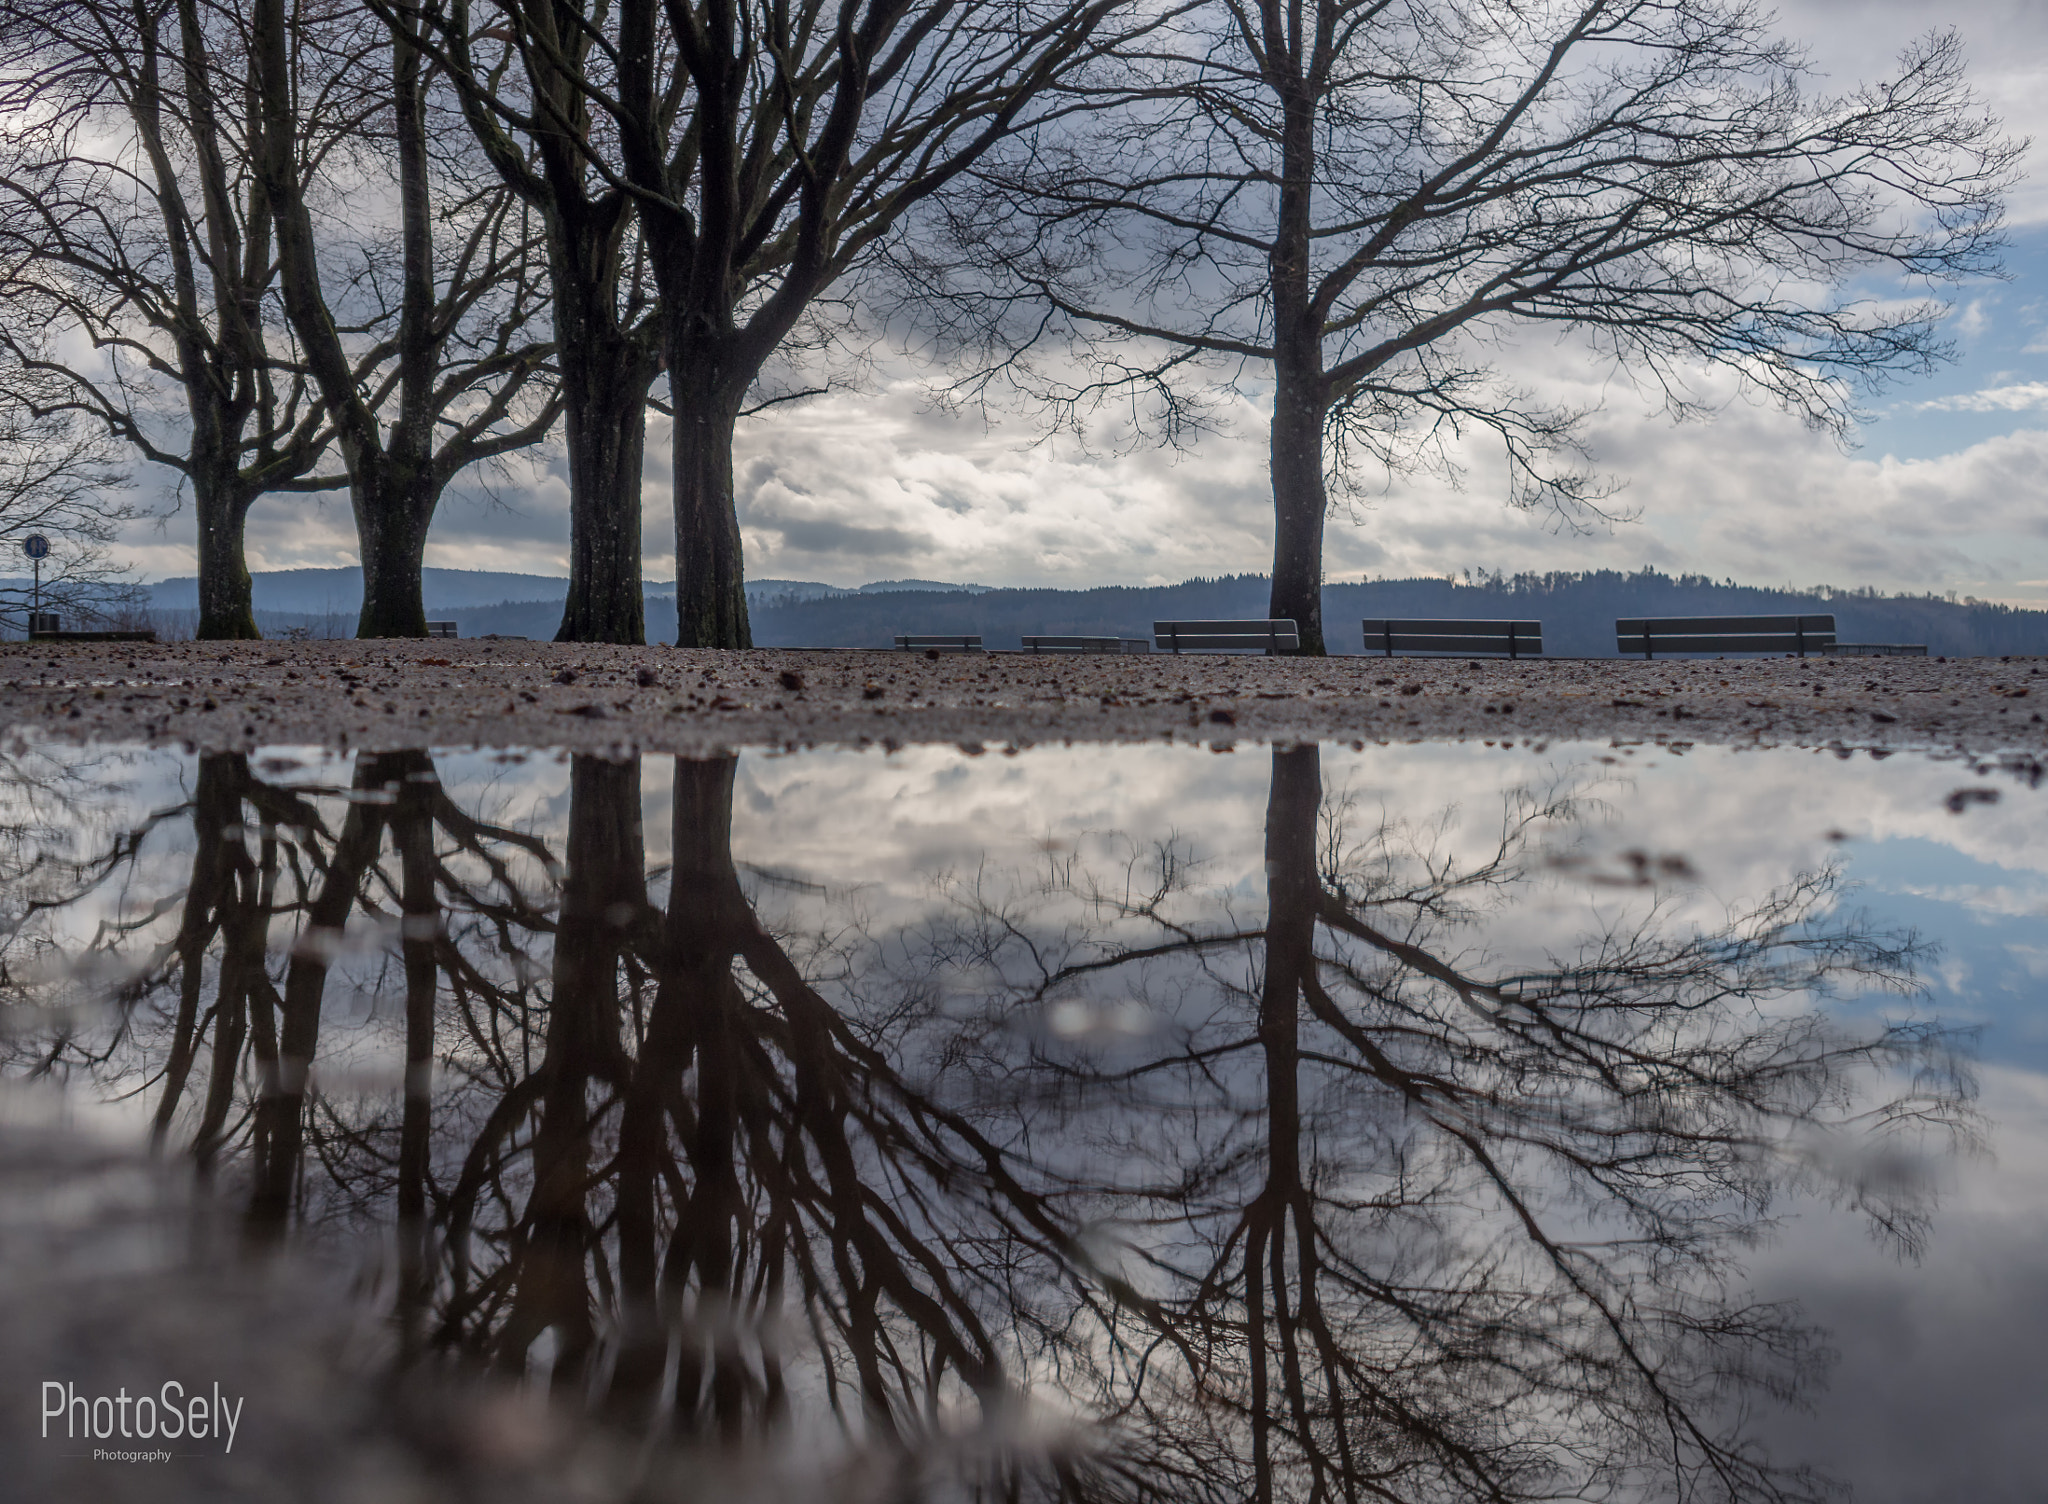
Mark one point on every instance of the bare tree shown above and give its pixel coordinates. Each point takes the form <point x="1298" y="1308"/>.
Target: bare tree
<point x="539" y="128"/>
<point x="424" y="352"/>
<point x="132" y="218"/>
<point x="59" y="479"/>
<point x="766" y="148"/>
<point x="1343" y="203"/>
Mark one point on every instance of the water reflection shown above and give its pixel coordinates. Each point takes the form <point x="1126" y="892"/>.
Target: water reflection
<point x="1105" y="1178"/>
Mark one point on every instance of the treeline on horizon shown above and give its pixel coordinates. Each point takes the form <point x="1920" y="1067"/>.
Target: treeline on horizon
<point x="1577" y="608"/>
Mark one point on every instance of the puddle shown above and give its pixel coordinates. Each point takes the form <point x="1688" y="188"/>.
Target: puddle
<point x="1426" y="1122"/>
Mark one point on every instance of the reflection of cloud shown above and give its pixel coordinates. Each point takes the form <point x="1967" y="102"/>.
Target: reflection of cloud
<point x="1937" y="1391"/>
<point x="2017" y="903"/>
<point x="2034" y="958"/>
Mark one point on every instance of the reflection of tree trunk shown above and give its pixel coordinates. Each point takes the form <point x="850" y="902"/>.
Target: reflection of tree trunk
<point x="698" y="1004"/>
<point x="751" y="1116"/>
<point x="1272" y="1299"/>
<point x="245" y="991"/>
<point x="412" y="833"/>
<point x="231" y="895"/>
<point x="280" y="1115"/>
<point x="603" y="894"/>
<point x="219" y="858"/>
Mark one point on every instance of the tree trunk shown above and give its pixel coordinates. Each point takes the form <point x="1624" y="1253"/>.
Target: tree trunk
<point x="711" y="597"/>
<point x="1300" y="502"/>
<point x="392" y="516"/>
<point x="1300" y="396"/>
<point x="604" y="390"/>
<point x="226" y="601"/>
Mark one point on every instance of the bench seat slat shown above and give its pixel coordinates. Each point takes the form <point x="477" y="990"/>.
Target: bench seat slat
<point x="1418" y="642"/>
<point x="1212" y="641"/>
<point x="1044" y="644"/>
<point x="950" y="642"/>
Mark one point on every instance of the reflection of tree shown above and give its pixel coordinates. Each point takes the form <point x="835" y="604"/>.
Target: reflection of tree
<point x="229" y="896"/>
<point x="1424" y="1228"/>
<point x="1368" y="1215"/>
<point x="724" y="1173"/>
<point x="219" y="987"/>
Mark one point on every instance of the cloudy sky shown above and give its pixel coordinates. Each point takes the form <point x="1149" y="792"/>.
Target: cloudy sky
<point x="1945" y="488"/>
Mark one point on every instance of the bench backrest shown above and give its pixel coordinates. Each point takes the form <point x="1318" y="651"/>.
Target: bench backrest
<point x="1724" y="634"/>
<point x="442" y="629"/>
<point x="1276" y="636"/>
<point x="1517" y="639"/>
<point x="944" y="642"/>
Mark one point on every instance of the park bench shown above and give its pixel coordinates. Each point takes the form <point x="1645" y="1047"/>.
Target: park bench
<point x="147" y="634"/>
<point x="442" y="629"/>
<point x="1877" y="650"/>
<point x="1725" y="634"/>
<point x="1044" y="644"/>
<point x="1277" y="636"/>
<point x="1467" y="639"/>
<point x="941" y="642"/>
<point x="44" y="626"/>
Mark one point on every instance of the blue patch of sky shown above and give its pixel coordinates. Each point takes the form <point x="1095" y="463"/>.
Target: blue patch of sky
<point x="2000" y="333"/>
<point x="1990" y="970"/>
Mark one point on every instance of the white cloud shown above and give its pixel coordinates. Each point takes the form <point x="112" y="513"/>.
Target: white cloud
<point x="874" y="485"/>
<point x="2006" y="48"/>
<point x="2025" y="396"/>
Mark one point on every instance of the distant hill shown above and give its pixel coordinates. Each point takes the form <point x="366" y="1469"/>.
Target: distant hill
<point x="1577" y="609"/>
<point x="324" y="592"/>
<point x="892" y="587"/>
<point x="320" y="592"/>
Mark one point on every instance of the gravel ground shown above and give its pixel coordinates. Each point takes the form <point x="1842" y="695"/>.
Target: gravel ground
<point x="385" y="695"/>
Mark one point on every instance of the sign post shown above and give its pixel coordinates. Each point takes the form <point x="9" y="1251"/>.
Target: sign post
<point x="37" y="547"/>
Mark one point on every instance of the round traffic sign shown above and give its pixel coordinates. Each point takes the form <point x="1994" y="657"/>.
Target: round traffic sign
<point x="36" y="546"/>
